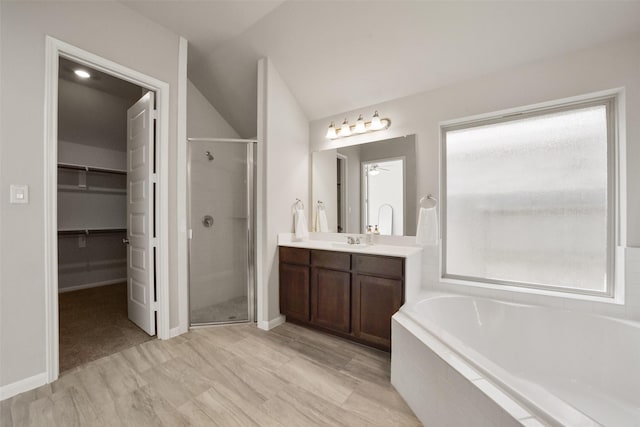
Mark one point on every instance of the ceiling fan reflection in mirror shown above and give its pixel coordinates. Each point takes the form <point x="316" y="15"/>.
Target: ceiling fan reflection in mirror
<point x="375" y="169"/>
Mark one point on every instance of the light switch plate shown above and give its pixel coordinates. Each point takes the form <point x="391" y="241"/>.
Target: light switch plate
<point x="19" y="193"/>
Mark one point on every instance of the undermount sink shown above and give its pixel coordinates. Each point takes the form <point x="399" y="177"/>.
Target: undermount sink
<point x="349" y="245"/>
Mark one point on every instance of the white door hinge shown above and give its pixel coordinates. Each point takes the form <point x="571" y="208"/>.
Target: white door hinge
<point x="154" y="306"/>
<point x="154" y="114"/>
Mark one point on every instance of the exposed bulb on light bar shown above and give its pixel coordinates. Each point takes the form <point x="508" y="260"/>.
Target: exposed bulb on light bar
<point x="374" y="170"/>
<point x="83" y="74"/>
<point x="360" y="127"/>
<point x="345" y="130"/>
<point x="376" y="123"/>
<point x="331" y="132"/>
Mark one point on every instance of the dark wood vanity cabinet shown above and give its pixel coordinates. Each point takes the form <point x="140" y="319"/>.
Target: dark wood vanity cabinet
<point x="351" y="295"/>
<point x="294" y="283"/>
<point x="331" y="290"/>
<point x="375" y="300"/>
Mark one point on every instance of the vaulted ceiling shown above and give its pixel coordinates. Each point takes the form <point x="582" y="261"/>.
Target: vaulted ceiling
<point x="341" y="55"/>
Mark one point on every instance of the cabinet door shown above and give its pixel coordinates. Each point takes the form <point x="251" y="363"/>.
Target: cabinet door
<point x="294" y="291"/>
<point x="375" y="300"/>
<point x="331" y="299"/>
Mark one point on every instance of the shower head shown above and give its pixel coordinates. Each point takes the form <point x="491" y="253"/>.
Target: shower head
<point x="209" y="156"/>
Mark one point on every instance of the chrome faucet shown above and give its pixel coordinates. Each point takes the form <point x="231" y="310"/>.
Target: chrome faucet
<point x="353" y="240"/>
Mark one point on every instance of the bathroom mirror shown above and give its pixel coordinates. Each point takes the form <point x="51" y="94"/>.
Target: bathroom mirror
<point x="366" y="184"/>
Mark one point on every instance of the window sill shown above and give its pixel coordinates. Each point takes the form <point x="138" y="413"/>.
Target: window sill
<point x="617" y="300"/>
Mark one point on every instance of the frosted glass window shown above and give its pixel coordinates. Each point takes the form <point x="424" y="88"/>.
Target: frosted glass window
<point x="526" y="200"/>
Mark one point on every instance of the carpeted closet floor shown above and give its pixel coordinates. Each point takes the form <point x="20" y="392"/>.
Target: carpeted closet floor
<point x="94" y="324"/>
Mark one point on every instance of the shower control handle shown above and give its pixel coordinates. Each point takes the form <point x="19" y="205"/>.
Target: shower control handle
<point x="207" y="221"/>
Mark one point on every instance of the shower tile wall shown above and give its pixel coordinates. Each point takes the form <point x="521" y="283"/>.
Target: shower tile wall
<point x="218" y="254"/>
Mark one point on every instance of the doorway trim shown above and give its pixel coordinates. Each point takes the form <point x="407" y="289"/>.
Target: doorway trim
<point x="344" y="189"/>
<point x="53" y="51"/>
<point x="364" y="189"/>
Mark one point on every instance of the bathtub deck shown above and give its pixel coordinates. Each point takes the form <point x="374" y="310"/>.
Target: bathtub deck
<point x="224" y="375"/>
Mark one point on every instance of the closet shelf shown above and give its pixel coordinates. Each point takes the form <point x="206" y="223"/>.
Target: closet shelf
<point x="69" y="231"/>
<point x="91" y="168"/>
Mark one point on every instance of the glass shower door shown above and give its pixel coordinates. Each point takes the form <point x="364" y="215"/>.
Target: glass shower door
<point x="221" y="224"/>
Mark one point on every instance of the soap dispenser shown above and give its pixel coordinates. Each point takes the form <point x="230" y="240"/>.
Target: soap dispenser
<point x="369" y="235"/>
<point x="376" y="235"/>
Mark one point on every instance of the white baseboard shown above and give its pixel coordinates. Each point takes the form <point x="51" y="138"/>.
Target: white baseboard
<point x="267" y="325"/>
<point x="10" y="390"/>
<point x="91" y="285"/>
<point x="174" y="332"/>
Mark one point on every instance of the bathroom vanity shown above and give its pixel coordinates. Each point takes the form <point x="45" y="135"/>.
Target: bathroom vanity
<point x="348" y="291"/>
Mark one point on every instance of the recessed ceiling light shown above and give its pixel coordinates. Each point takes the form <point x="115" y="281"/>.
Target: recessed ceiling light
<point x="83" y="74"/>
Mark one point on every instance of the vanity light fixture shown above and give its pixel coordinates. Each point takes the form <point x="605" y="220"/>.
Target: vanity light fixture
<point x="360" y="127"/>
<point x="331" y="132"/>
<point x="83" y="74"/>
<point x="345" y="129"/>
<point x="376" y="123"/>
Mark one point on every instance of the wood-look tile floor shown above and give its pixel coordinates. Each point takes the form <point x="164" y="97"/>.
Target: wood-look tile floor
<point x="235" y="375"/>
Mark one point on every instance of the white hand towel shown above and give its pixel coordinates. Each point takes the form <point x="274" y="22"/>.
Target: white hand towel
<point x="427" y="232"/>
<point x="300" y="225"/>
<point x="323" y="225"/>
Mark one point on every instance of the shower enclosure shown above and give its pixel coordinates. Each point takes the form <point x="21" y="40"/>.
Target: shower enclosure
<point x="221" y="231"/>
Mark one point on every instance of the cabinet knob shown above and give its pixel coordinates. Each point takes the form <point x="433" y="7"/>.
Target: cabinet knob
<point x="125" y="241"/>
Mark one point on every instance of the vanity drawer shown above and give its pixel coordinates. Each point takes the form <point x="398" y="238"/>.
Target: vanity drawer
<point x="331" y="260"/>
<point x="378" y="265"/>
<point x="294" y="255"/>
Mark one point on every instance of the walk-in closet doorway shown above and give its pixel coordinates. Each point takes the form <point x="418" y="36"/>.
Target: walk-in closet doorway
<point x="106" y="182"/>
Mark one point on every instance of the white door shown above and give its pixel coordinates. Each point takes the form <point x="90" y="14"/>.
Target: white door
<point x="140" y="221"/>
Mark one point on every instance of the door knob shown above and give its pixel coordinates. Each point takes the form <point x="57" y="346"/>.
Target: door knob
<point x="125" y="241"/>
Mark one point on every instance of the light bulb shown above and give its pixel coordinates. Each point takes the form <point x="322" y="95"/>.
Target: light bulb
<point x="83" y="74"/>
<point x="376" y="124"/>
<point x="374" y="172"/>
<point x="331" y="132"/>
<point x="360" y="128"/>
<point x="345" y="130"/>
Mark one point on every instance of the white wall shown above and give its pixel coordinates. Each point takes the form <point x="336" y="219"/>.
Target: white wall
<point x="603" y="67"/>
<point x="203" y="120"/>
<point x="114" y="32"/>
<point x="283" y="148"/>
<point x="93" y="117"/>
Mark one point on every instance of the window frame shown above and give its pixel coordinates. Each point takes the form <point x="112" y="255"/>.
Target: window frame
<point x="613" y="291"/>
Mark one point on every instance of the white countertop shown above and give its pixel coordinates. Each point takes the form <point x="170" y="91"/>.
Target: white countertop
<point x="388" y="250"/>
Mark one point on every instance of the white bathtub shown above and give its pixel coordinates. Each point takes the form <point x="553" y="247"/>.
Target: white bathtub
<point x="467" y="361"/>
